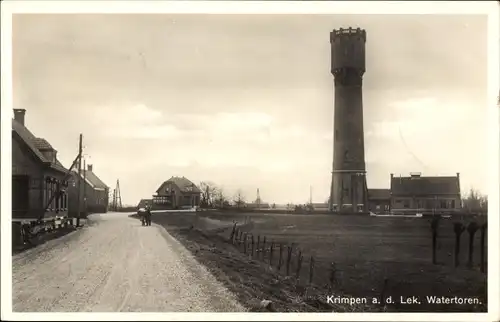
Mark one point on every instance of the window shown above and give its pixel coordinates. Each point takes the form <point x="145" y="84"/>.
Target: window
<point x="377" y="207"/>
<point x="386" y="207"/>
<point x="453" y="204"/>
<point x="406" y="204"/>
<point x="442" y="204"/>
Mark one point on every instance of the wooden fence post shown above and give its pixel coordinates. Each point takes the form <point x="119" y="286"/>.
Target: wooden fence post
<point x="271" y="254"/>
<point x="257" y="249"/>
<point x="232" y="234"/>
<point x="434" y="228"/>
<point x="288" y="259"/>
<point x="299" y="265"/>
<point x="264" y="249"/>
<point x="483" y="238"/>
<point x="252" y="246"/>
<point x="245" y="242"/>
<point x="311" y="270"/>
<point x="280" y="260"/>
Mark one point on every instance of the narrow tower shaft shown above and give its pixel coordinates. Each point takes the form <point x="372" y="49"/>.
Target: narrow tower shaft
<point x="348" y="191"/>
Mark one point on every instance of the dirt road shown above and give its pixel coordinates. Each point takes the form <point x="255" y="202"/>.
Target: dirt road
<point x="115" y="265"/>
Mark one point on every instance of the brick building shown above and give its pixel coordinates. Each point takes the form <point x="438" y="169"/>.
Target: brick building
<point x="177" y="193"/>
<point x="426" y="195"/>
<point x="379" y="200"/>
<point x="94" y="193"/>
<point x="37" y="175"/>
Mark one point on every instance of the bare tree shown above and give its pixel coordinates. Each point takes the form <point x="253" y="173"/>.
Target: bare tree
<point x="221" y="199"/>
<point x="475" y="202"/>
<point x="239" y="199"/>
<point x="209" y="193"/>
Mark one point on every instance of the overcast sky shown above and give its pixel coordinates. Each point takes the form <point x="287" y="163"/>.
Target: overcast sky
<point x="246" y="101"/>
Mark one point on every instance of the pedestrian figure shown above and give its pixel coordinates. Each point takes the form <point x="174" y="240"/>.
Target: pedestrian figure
<point x="148" y="216"/>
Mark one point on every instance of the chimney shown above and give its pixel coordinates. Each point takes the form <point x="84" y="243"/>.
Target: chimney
<point x="19" y="114"/>
<point x="89" y="167"/>
<point x="392" y="175"/>
<point x="458" y="175"/>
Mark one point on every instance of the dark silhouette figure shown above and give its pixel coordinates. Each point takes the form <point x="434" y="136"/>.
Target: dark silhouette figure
<point x="483" y="251"/>
<point x="471" y="228"/>
<point x="459" y="229"/>
<point x="147" y="216"/>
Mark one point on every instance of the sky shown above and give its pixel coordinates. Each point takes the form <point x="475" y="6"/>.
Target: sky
<point x="246" y="101"/>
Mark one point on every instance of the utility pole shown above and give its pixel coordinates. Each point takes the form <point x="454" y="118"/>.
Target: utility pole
<point x="79" y="181"/>
<point x="84" y="187"/>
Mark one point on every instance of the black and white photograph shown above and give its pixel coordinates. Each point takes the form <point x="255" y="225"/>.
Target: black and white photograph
<point x="252" y="158"/>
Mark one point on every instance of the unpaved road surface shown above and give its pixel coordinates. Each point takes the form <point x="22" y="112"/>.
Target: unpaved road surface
<point x="115" y="265"/>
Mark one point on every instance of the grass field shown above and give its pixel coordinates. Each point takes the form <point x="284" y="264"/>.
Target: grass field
<point x="366" y="252"/>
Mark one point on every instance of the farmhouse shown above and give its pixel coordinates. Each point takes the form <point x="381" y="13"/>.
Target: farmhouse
<point x="175" y="193"/>
<point x="144" y="202"/>
<point x="94" y="194"/>
<point x="426" y="195"/>
<point x="37" y="175"/>
<point x="379" y="200"/>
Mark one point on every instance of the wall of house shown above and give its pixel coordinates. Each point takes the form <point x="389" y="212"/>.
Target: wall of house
<point x="96" y="200"/>
<point x="379" y="206"/>
<point x="23" y="163"/>
<point x="59" y="207"/>
<point x="427" y="203"/>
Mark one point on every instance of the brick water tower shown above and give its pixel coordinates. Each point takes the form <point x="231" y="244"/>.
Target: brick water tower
<point x="348" y="190"/>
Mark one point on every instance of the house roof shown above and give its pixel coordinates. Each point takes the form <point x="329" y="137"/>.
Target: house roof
<point x="33" y="144"/>
<point x="425" y="185"/>
<point x="379" y="194"/>
<point x="182" y="183"/>
<point x="92" y="179"/>
<point x="42" y="144"/>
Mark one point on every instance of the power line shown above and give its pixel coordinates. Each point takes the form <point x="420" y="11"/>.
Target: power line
<point x="409" y="151"/>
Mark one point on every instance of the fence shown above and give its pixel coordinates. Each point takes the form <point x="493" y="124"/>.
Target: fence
<point x="289" y="259"/>
<point x="459" y="228"/>
<point x="286" y="258"/>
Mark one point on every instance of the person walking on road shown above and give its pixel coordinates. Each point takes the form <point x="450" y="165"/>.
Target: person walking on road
<point x="147" y="215"/>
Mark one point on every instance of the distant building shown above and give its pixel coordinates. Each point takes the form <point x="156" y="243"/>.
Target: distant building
<point x="320" y="206"/>
<point x="257" y="205"/>
<point x="177" y="193"/>
<point x="426" y="195"/>
<point x="94" y="194"/>
<point x="379" y="200"/>
<point x="37" y="175"/>
<point x="144" y="202"/>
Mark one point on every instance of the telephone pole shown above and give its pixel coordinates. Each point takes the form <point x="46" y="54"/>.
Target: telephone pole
<point x="79" y="180"/>
<point x="84" y="187"/>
